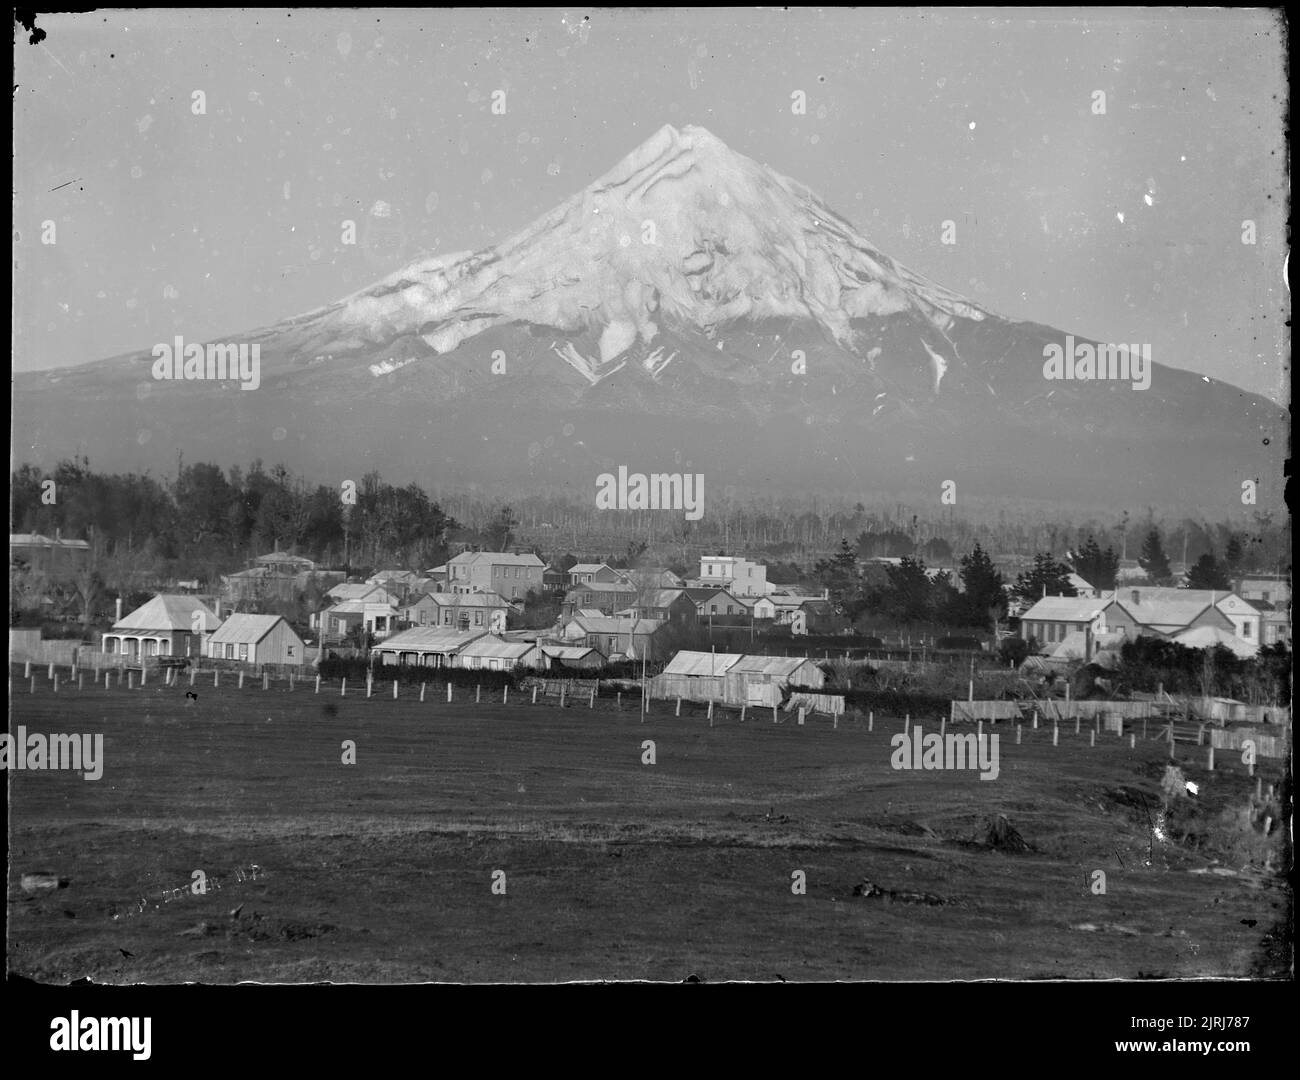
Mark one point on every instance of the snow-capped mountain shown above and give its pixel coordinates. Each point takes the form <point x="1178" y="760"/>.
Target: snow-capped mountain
<point x="682" y="230"/>
<point x="691" y="305"/>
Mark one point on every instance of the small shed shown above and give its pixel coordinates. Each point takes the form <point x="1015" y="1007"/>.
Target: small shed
<point x="759" y="680"/>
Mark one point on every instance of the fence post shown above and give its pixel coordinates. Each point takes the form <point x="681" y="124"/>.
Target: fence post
<point x="534" y="695"/>
<point x="1200" y="734"/>
<point x="318" y="684"/>
<point x="50" y="675"/>
<point x="144" y="671"/>
<point x="266" y="681"/>
<point x="774" y="714"/>
<point x="422" y="686"/>
<point x="592" y="703"/>
<point x="1092" y="737"/>
<point x="478" y="693"/>
<point x="370" y="685"/>
<point x="241" y="680"/>
<point x="871" y="719"/>
<point x="1035" y="719"/>
<point x="1056" y="734"/>
<point x="505" y="695"/>
<point x="710" y="714"/>
<point x="107" y="676"/>
<point x="33" y="690"/>
<point x="343" y="690"/>
<point x="801" y="715"/>
<point x="130" y="681"/>
<point x="80" y="676"/>
<point x="1076" y="723"/>
<point x="1018" y="726"/>
<point x="27" y="670"/>
<point x="619" y="702"/>
<point x="394" y="689"/>
<point x="216" y="678"/>
<point x="1132" y="740"/>
<point x="1209" y="764"/>
<point x="449" y="691"/>
<point x="56" y="682"/>
<point x="679" y="707"/>
<point x="193" y="671"/>
<point x="291" y="682"/>
<point x="742" y="713"/>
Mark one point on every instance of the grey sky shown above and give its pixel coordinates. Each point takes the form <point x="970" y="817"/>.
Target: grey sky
<point x="168" y="222"/>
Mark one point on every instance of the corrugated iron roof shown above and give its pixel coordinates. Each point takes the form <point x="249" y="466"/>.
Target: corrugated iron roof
<point x="168" y="612"/>
<point x="780" y="666"/>
<point x="429" y="639"/>
<point x="1064" y="609"/>
<point x="687" y="662"/>
<point x="568" y="652"/>
<point x="492" y="646"/>
<point x="246" y="627"/>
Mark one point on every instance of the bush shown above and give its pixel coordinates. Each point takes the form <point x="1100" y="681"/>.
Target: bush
<point x="1013" y="650"/>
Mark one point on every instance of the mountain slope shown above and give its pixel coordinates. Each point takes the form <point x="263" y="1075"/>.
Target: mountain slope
<point x="689" y="309"/>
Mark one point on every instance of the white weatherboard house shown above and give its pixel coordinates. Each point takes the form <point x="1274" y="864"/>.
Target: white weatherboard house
<point x="256" y="639"/>
<point x="163" y="626"/>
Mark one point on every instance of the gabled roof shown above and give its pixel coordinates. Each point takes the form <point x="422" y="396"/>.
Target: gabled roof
<point x="780" y="666"/>
<point x="602" y="586"/>
<point x="403" y="576"/>
<point x="358" y="607"/>
<point x="569" y="652"/>
<point x="687" y="662"/>
<point x="492" y="646"/>
<point x="604" y="624"/>
<point x="661" y="598"/>
<point x="495" y="558"/>
<point x="589" y="568"/>
<point x="168" y="612"/>
<point x="1225" y="599"/>
<point x="246" y="628"/>
<point x="300" y="561"/>
<point x="1065" y="609"/>
<point x="1206" y="637"/>
<point x="463" y="600"/>
<point x="1166" y="612"/>
<point x="429" y="639"/>
<point x="356" y="591"/>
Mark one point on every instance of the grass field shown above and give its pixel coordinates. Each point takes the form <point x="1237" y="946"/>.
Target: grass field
<point x="383" y="871"/>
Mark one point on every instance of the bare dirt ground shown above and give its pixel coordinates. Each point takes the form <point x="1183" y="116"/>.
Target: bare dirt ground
<point x="383" y="871"/>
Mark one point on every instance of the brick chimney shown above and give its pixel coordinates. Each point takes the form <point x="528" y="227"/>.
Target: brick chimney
<point x="117" y="614"/>
<point x="1137" y="596"/>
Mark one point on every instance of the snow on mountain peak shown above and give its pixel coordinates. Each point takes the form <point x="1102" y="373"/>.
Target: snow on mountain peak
<point x="683" y="228"/>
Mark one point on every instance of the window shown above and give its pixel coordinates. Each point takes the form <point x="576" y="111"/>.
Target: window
<point x="290" y="650"/>
<point x="446" y="617"/>
<point x="243" y="650"/>
<point x="1245" y="627"/>
<point x="230" y="652"/>
<point x="478" y="618"/>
